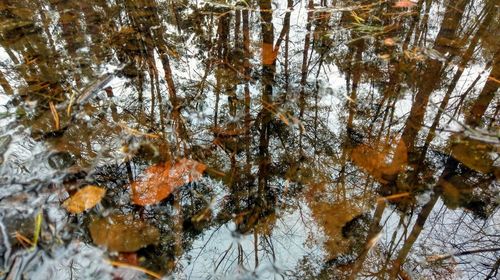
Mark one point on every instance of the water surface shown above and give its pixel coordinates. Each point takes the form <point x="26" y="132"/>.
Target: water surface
<point x="299" y="139"/>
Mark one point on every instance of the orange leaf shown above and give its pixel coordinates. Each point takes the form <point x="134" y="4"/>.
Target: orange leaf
<point x="404" y="4"/>
<point x="160" y="180"/>
<point x="84" y="199"/>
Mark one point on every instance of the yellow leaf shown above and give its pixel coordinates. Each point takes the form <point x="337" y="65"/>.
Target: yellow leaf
<point x="84" y="199"/>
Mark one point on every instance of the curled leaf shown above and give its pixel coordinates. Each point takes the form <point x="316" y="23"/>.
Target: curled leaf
<point x="84" y="199"/>
<point x="123" y="233"/>
<point x="160" y="180"/>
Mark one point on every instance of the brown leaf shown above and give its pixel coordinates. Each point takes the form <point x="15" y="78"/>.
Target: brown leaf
<point x="404" y="4"/>
<point x="160" y="180"/>
<point x="84" y="199"/>
<point x="123" y="233"/>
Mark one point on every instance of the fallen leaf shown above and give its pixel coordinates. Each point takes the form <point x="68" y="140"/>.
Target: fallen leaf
<point x="160" y="180"/>
<point x="84" y="199"/>
<point x="123" y="233"/>
<point x="404" y="4"/>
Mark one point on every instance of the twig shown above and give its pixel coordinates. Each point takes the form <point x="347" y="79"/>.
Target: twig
<point x="436" y="258"/>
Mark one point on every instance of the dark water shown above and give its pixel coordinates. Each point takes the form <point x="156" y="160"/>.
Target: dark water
<point x="337" y="139"/>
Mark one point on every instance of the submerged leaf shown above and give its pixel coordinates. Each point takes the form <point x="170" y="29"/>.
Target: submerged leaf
<point x="160" y="180"/>
<point x="84" y="199"/>
<point x="123" y="233"/>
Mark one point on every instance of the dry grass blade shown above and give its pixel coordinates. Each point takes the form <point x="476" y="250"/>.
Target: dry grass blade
<point x="394" y="196"/>
<point x="137" y="132"/>
<point x="23" y="240"/>
<point x="71" y="101"/>
<point x="138" y="268"/>
<point x="494" y="80"/>
<point x="55" y="115"/>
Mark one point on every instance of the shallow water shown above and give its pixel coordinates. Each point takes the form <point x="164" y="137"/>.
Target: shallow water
<point x="249" y="139"/>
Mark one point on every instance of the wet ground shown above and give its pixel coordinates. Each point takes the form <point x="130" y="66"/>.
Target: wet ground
<point x="299" y="139"/>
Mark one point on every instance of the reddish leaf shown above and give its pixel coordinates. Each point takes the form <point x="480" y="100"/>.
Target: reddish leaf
<point x="404" y="4"/>
<point x="160" y="180"/>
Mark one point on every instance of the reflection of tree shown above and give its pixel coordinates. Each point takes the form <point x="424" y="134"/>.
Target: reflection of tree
<point x="266" y="120"/>
<point x="25" y="43"/>
<point x="486" y="95"/>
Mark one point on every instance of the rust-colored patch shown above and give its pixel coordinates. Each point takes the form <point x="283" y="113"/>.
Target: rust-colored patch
<point x="160" y="180"/>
